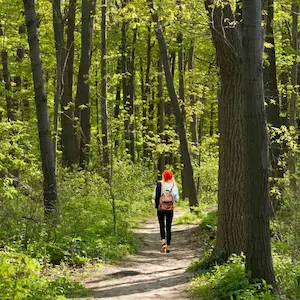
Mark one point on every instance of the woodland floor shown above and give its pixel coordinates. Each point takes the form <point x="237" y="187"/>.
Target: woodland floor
<point x="150" y="274"/>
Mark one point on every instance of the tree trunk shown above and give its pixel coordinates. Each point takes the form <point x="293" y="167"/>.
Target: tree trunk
<point x="131" y="87"/>
<point x="257" y="227"/>
<point x="146" y="93"/>
<point x="124" y="67"/>
<point x="117" y="103"/>
<point x="181" y="96"/>
<point x="161" y="116"/>
<point x="48" y="165"/>
<point x="11" y="114"/>
<point x="18" y="78"/>
<point x="58" y="26"/>
<point x="176" y="106"/>
<point x="230" y="231"/>
<point x="272" y="100"/>
<point x="82" y="103"/>
<point x="193" y="124"/>
<point x="69" y="155"/>
<point x="294" y="99"/>
<point x="270" y="81"/>
<point x="104" y="121"/>
<point x="211" y="119"/>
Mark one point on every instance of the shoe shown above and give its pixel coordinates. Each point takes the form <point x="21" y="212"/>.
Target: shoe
<point x="163" y="248"/>
<point x="168" y="249"/>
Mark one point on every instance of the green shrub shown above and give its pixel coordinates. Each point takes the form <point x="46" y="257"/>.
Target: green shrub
<point x="20" y="279"/>
<point x="228" y="281"/>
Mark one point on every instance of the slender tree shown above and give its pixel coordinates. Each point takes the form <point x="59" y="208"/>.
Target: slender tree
<point x="69" y="156"/>
<point x="82" y="102"/>
<point x="161" y="115"/>
<point x="294" y="98"/>
<point x="193" y="124"/>
<point x="272" y="98"/>
<point x="11" y="114"/>
<point x="104" y="120"/>
<point x="184" y="149"/>
<point x="131" y="96"/>
<point x="58" y="25"/>
<point x="258" y="244"/>
<point x="48" y="165"/>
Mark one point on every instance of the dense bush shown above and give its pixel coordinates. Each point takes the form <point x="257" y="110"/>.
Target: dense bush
<point x="229" y="281"/>
<point x="85" y="226"/>
<point x="20" y="279"/>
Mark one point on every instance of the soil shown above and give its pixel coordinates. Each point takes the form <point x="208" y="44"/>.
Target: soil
<point x="150" y="274"/>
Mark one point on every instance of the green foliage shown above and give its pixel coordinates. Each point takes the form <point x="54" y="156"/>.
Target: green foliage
<point x="85" y="228"/>
<point x="203" y="215"/>
<point x="20" y="279"/>
<point x="207" y="173"/>
<point x="188" y="218"/>
<point x="229" y="281"/>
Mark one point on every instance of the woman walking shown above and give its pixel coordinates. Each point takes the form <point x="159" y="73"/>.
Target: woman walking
<point x="165" y="193"/>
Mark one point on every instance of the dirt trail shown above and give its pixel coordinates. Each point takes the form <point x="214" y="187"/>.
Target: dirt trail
<point x="149" y="274"/>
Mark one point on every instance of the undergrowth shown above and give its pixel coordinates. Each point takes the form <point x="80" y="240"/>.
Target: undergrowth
<point x="20" y="278"/>
<point x="219" y="279"/>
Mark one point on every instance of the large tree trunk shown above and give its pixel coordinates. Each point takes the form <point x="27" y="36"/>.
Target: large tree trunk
<point x="294" y="99"/>
<point x="184" y="149"/>
<point x="82" y="103"/>
<point x="258" y="244"/>
<point x="48" y="165"/>
<point x="230" y="232"/>
<point x="104" y="121"/>
<point x="69" y="156"/>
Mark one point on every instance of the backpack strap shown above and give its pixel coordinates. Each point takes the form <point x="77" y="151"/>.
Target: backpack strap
<point x="158" y="193"/>
<point x="171" y="189"/>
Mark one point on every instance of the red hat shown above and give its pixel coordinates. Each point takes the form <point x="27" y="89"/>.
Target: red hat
<point x="167" y="175"/>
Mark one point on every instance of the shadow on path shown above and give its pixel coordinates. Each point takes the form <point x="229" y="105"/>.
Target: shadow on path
<point x="149" y="274"/>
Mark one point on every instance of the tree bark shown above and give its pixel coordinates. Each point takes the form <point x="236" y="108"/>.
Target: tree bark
<point x="228" y="44"/>
<point x="48" y="165"/>
<point x="176" y="106"/>
<point x="257" y="227"/>
<point x="82" y="102"/>
<point x="58" y="26"/>
<point x="104" y="121"/>
<point x="69" y="155"/>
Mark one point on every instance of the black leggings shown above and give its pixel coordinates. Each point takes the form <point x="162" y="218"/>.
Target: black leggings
<point x="168" y="215"/>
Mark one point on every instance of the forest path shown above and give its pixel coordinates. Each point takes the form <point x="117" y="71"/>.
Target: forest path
<point x="150" y="274"/>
